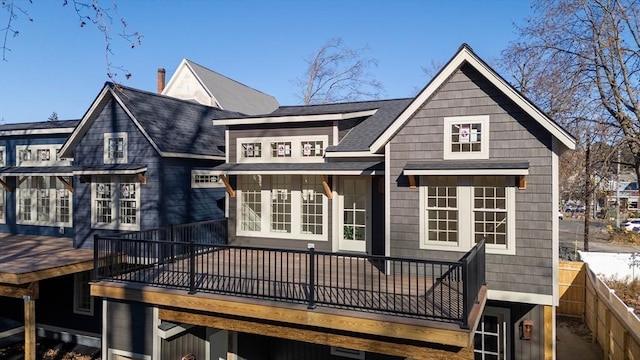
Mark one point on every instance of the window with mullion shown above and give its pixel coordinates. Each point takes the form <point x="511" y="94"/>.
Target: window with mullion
<point x="116" y="202"/>
<point x="312" y="205"/>
<point x="490" y="210"/>
<point x="442" y="210"/>
<point x="281" y="203"/>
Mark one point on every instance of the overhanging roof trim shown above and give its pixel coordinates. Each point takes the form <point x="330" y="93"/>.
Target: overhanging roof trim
<point x="327" y="168"/>
<point x="467" y="168"/>
<point x="111" y="170"/>
<point x="466" y="55"/>
<point x="37" y="171"/>
<point x="294" y="118"/>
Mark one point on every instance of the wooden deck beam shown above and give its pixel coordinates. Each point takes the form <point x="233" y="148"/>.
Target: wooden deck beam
<point x="394" y="347"/>
<point x="296" y="315"/>
<point x="20" y="291"/>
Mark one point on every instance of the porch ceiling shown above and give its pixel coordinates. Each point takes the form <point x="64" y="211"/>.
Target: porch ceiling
<point x="25" y="258"/>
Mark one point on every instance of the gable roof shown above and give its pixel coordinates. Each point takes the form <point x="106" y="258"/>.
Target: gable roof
<point x="466" y="56"/>
<point x="38" y="128"/>
<point x="174" y="127"/>
<point x="230" y="94"/>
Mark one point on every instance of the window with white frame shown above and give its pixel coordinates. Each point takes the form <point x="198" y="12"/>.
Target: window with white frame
<point x="466" y="137"/>
<point x="115" y="202"/>
<point x="205" y="179"/>
<point x="282" y="149"/>
<point x="458" y="212"/>
<point x="115" y="148"/>
<point x="39" y="155"/>
<point x="286" y="206"/>
<point x="82" y="301"/>
<point x="44" y="200"/>
<point x="3" y="156"/>
<point x="3" y="196"/>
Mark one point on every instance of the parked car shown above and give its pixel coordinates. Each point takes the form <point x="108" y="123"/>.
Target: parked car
<point x="632" y="224"/>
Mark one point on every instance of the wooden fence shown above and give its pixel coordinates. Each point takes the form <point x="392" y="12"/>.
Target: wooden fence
<point x="613" y="325"/>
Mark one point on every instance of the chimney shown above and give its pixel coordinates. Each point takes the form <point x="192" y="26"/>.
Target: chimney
<point x="161" y="74"/>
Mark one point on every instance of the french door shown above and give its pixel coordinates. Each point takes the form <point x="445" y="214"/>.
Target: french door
<point x="354" y="205"/>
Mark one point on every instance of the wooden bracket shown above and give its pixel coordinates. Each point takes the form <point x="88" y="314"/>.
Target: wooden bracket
<point x="6" y="186"/>
<point x="141" y="178"/>
<point x="19" y="291"/>
<point x="412" y="181"/>
<point x="85" y="179"/>
<point x="327" y="188"/>
<point x="230" y="190"/>
<point x="65" y="183"/>
<point x="521" y="182"/>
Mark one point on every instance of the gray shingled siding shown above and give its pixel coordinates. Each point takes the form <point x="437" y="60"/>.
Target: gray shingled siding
<point x="130" y="325"/>
<point x="467" y="93"/>
<point x="89" y="152"/>
<point x="273" y="131"/>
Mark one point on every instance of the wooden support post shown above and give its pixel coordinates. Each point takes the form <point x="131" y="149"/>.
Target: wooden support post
<point x="6" y="186"/>
<point x="327" y="188"/>
<point x="548" y="333"/>
<point x="29" y="328"/>
<point x="412" y="181"/>
<point x="607" y="333"/>
<point x="65" y="183"/>
<point x="141" y="178"/>
<point x="230" y="190"/>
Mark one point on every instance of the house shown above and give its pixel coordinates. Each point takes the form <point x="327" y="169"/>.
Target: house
<point x="420" y="228"/>
<point x="195" y="82"/>
<point x="43" y="282"/>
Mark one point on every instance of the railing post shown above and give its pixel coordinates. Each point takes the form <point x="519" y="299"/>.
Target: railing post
<point x="192" y="267"/>
<point x="171" y="245"/>
<point x="466" y="289"/>
<point x="312" y="269"/>
<point x="95" y="258"/>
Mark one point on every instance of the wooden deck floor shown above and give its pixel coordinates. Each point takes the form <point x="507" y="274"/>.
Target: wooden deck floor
<point x="26" y="258"/>
<point x="340" y="282"/>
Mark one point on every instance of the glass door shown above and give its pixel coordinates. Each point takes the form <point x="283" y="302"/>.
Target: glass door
<point x="354" y="204"/>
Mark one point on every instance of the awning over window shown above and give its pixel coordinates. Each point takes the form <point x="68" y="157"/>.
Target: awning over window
<point x="467" y="167"/>
<point x="36" y="171"/>
<point x="325" y="168"/>
<point x="113" y="169"/>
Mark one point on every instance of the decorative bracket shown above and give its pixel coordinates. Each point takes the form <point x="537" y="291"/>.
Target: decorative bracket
<point x="230" y="190"/>
<point x="141" y="178"/>
<point x="327" y="188"/>
<point x="65" y="183"/>
<point x="6" y="186"/>
<point x="412" y="181"/>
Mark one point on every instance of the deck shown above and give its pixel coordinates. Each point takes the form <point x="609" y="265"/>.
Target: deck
<point x="27" y="258"/>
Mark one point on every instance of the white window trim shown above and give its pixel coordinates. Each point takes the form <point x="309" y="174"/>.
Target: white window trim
<point x="483" y="154"/>
<point x="465" y="216"/>
<point x="105" y="148"/>
<point x="296" y="149"/>
<point x="77" y="287"/>
<point x="200" y="185"/>
<point x="296" y="214"/>
<point x="115" y="213"/>
<point x="34" y="205"/>
<point x="3" y="158"/>
<point x="3" y="218"/>
<point x="53" y="156"/>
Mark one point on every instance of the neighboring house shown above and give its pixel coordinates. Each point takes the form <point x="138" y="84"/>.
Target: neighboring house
<point x="359" y="230"/>
<point x="194" y="82"/>
<point x="37" y="261"/>
<point x="140" y="163"/>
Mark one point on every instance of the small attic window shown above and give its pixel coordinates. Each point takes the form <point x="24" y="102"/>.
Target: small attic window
<point x="466" y="137"/>
<point x="115" y="148"/>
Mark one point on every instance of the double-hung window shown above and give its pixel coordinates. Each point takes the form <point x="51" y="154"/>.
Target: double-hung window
<point x="285" y="206"/>
<point x="116" y="202"/>
<point x="115" y="148"/>
<point x="43" y="200"/>
<point x="458" y="212"/>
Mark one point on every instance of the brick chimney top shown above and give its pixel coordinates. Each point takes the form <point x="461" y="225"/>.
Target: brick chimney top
<point x="161" y="80"/>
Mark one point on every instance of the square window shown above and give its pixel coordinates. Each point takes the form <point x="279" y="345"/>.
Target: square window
<point x="115" y="148"/>
<point x="466" y="137"/>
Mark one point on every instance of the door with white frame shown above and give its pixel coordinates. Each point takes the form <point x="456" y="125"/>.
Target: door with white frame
<point x="355" y="208"/>
<point x="491" y="340"/>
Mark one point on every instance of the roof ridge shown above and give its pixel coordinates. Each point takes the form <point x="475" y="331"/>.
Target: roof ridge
<point x="226" y="77"/>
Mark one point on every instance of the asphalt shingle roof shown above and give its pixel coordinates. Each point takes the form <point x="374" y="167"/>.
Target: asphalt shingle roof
<point x="174" y="125"/>
<point x="40" y="125"/>
<point x="233" y="95"/>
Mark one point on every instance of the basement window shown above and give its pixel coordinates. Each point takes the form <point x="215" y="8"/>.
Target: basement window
<point x="82" y="301"/>
<point x="347" y="353"/>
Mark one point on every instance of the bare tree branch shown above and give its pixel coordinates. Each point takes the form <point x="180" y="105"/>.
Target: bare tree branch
<point x="337" y="73"/>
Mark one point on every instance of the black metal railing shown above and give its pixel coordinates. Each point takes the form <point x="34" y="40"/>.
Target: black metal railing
<point x="436" y="290"/>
